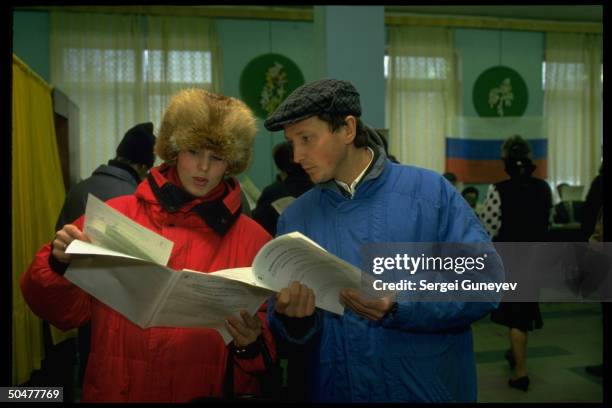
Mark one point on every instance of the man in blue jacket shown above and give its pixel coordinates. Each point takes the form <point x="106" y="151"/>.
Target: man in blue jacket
<point x="389" y="348"/>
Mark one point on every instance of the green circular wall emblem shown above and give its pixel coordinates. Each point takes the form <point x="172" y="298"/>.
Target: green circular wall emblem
<point x="500" y="92"/>
<point x="267" y="80"/>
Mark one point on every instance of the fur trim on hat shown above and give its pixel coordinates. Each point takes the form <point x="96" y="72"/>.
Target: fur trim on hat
<point x="196" y="119"/>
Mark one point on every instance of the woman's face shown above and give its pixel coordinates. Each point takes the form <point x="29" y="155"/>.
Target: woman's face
<point x="200" y="170"/>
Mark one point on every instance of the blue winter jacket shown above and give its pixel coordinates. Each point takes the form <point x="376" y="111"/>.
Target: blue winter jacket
<point x="425" y="351"/>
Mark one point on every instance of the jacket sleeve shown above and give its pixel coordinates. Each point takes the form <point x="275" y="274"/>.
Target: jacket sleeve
<point x="51" y="296"/>
<point x="490" y="214"/>
<point x="436" y="316"/>
<point x="257" y="239"/>
<point x="257" y="364"/>
<point x="293" y="330"/>
<point x="457" y="224"/>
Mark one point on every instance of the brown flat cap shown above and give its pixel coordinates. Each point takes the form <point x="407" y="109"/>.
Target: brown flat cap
<point x="332" y="96"/>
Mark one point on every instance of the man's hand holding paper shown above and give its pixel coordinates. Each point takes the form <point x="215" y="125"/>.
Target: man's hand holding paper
<point x="370" y="308"/>
<point x="295" y="301"/>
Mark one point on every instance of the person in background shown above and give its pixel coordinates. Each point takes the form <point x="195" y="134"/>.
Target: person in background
<point x="291" y="181"/>
<point x="517" y="210"/>
<point x="452" y="178"/>
<point x="592" y="231"/>
<point x="592" y="205"/>
<point x="470" y="194"/>
<point x="192" y="199"/>
<point x="389" y="348"/>
<point x="120" y="176"/>
<point x="567" y="210"/>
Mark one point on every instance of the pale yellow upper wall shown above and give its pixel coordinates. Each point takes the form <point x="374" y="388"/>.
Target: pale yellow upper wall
<point x="563" y="18"/>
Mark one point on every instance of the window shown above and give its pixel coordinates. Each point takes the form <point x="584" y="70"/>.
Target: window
<point x="123" y="69"/>
<point x="185" y="67"/>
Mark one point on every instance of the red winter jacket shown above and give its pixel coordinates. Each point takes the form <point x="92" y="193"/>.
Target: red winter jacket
<point x="128" y="363"/>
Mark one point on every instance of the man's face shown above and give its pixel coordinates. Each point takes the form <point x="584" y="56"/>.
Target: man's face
<point x="320" y="152"/>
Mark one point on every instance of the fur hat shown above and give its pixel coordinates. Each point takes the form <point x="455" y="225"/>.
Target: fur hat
<point x="196" y="119"/>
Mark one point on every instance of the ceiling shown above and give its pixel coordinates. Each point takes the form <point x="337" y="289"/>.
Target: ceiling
<point x="579" y="13"/>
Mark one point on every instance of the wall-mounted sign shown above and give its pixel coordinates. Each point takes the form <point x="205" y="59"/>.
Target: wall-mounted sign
<point x="500" y="92"/>
<point x="267" y="80"/>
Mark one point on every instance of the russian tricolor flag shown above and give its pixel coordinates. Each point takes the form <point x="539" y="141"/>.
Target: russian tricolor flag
<point x="476" y="158"/>
<point x="478" y="161"/>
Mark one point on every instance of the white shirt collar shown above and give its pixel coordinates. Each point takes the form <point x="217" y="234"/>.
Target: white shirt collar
<point x="351" y="188"/>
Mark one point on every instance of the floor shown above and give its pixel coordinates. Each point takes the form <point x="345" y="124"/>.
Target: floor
<point x="570" y="340"/>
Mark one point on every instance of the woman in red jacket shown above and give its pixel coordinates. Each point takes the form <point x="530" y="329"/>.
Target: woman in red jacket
<point x="192" y="200"/>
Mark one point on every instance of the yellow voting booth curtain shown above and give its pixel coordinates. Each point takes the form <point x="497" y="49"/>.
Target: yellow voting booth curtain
<point x="37" y="197"/>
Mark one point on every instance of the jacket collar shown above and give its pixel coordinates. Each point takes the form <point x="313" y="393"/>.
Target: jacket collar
<point x="116" y="172"/>
<point x="374" y="170"/>
<point x="219" y="209"/>
<point x="124" y="166"/>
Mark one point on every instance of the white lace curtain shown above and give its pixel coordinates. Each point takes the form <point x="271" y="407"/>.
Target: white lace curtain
<point x="421" y="94"/>
<point x="573" y="107"/>
<point x="122" y="69"/>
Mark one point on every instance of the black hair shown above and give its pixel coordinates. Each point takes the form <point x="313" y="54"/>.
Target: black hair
<point x="283" y="158"/>
<point x="468" y="190"/>
<point x="335" y="122"/>
<point x="516" y="155"/>
<point x="450" y="177"/>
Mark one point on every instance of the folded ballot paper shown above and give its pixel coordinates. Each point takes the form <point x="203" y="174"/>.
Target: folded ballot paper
<point x="125" y="268"/>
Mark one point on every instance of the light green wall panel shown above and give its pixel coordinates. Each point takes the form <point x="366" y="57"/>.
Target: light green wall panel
<point x="482" y="49"/>
<point x="352" y="48"/>
<point x="524" y="52"/>
<point x="243" y="40"/>
<point x="31" y="40"/>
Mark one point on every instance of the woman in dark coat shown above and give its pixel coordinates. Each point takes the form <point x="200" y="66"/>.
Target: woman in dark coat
<point x="518" y="210"/>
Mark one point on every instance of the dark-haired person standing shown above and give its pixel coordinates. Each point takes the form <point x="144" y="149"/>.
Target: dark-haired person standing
<point x="389" y="349"/>
<point x="120" y="176"/>
<point x="291" y="181"/>
<point x="516" y="210"/>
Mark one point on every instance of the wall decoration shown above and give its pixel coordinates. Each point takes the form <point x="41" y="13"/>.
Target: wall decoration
<point x="500" y="92"/>
<point x="267" y="80"/>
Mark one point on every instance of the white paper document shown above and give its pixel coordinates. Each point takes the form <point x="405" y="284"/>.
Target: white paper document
<point x="125" y="268"/>
<point x="294" y="257"/>
<point x="250" y="190"/>
<point x="110" y="229"/>
<point x="141" y="287"/>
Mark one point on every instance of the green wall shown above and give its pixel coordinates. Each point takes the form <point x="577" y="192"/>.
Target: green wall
<point x="519" y="50"/>
<point x="31" y="40"/>
<point x="478" y="50"/>
<point x="240" y="41"/>
<point x="243" y="40"/>
<point x="350" y="45"/>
